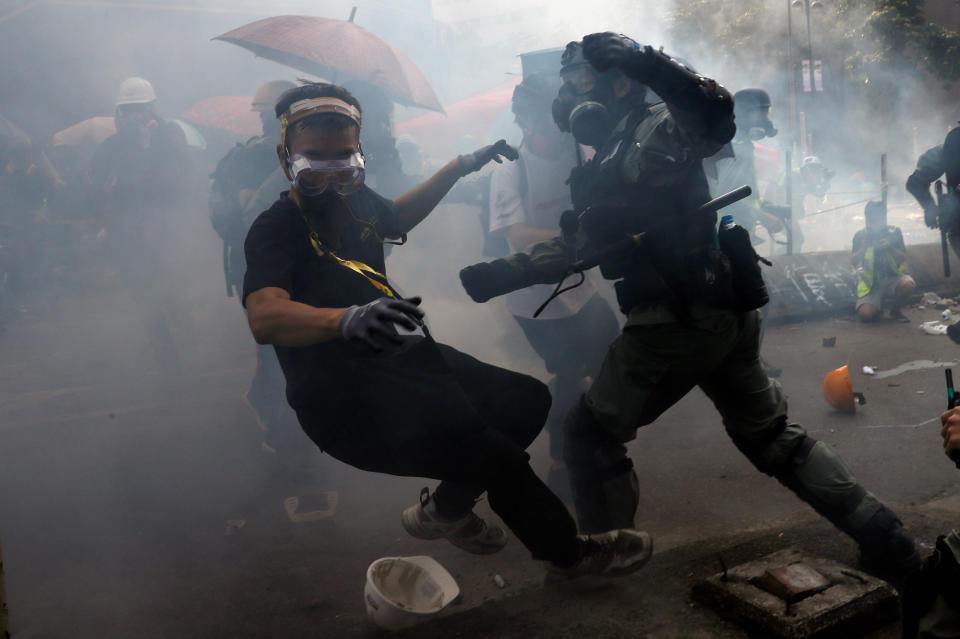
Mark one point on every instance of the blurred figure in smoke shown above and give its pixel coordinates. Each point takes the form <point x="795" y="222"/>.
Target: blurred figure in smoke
<point x="412" y="161"/>
<point x="144" y="160"/>
<point x="751" y="109"/>
<point x="690" y="294"/>
<point x="752" y="113"/>
<point x="526" y="200"/>
<point x="880" y="255"/>
<point x="934" y="163"/>
<point x="237" y="177"/>
<point x="143" y="184"/>
<point x="810" y="180"/>
<point x="24" y="188"/>
<point x="315" y="288"/>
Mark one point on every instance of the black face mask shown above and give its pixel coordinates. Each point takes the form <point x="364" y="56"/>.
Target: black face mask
<point x="322" y="204"/>
<point x="585" y="115"/>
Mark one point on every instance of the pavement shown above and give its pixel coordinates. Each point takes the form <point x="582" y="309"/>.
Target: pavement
<point x="117" y="483"/>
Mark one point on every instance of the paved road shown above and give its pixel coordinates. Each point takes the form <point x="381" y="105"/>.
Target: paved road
<point x="116" y="483"/>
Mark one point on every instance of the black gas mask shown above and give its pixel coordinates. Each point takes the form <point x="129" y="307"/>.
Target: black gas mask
<point x="761" y="127"/>
<point x="582" y="105"/>
<point x="752" y="110"/>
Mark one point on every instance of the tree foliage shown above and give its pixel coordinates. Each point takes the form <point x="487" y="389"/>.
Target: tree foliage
<point x="867" y="38"/>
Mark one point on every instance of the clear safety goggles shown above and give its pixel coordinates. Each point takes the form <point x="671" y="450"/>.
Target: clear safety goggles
<point x="312" y="176"/>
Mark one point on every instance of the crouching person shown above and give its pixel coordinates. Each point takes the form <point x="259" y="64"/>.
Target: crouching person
<point x="880" y="255"/>
<point x="384" y="402"/>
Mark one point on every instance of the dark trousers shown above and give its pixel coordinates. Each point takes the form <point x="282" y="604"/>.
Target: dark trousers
<point x="432" y="411"/>
<point x="572" y="348"/>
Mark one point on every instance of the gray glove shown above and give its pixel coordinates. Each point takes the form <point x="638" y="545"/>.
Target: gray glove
<point x="376" y="321"/>
<point x="475" y="161"/>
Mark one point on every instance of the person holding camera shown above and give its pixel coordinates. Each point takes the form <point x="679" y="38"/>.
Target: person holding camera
<point x="690" y="294"/>
<point x="880" y="256"/>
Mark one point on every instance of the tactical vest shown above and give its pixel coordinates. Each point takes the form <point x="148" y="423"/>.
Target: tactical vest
<point x="640" y="181"/>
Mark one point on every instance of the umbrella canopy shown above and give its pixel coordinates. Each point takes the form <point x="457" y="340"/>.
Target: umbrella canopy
<point x="471" y="116"/>
<point x="332" y="48"/>
<point x="94" y="130"/>
<point x="225" y="112"/>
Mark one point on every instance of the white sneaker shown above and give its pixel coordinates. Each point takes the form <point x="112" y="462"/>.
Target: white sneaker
<point x="470" y="532"/>
<point x="611" y="554"/>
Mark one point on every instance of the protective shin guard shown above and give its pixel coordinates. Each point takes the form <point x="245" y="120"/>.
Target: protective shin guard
<point x="819" y="477"/>
<point x="605" y="489"/>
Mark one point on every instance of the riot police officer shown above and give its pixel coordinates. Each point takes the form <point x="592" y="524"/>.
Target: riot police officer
<point x="692" y="318"/>
<point x="933" y="164"/>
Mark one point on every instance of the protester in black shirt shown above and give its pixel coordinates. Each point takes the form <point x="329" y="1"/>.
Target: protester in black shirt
<point x="401" y="404"/>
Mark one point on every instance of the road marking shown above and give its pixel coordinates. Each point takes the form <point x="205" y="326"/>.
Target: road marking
<point x="923" y="423"/>
<point x="915" y="365"/>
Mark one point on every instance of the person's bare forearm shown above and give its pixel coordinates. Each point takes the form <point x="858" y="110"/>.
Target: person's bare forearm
<point x="287" y="323"/>
<point x="417" y="204"/>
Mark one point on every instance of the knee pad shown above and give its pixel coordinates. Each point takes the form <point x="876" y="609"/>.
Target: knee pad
<point x="818" y="475"/>
<point x="773" y="454"/>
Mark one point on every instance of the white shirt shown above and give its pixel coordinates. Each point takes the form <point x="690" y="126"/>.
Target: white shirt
<point x="546" y="197"/>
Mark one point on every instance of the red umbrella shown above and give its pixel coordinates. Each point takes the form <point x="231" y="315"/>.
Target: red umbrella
<point x="227" y="112"/>
<point x="471" y="116"/>
<point x="326" y="47"/>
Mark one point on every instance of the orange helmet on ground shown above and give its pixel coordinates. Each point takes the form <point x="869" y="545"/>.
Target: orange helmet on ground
<point x="838" y="391"/>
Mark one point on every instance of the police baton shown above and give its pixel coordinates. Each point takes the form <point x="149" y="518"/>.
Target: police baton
<point x="631" y="242"/>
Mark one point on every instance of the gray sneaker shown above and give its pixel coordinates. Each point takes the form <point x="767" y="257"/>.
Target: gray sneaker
<point x="470" y="532"/>
<point x="616" y="553"/>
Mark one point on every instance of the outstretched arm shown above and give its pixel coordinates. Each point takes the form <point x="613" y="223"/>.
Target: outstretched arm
<point x="419" y="202"/>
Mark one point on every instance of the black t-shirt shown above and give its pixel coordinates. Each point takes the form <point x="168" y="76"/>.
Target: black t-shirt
<point x="279" y="254"/>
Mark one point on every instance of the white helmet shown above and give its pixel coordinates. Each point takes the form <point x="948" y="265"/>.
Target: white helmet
<point x="135" y="91"/>
<point x="403" y="591"/>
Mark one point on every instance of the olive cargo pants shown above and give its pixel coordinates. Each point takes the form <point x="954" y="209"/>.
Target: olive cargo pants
<point x="650" y="367"/>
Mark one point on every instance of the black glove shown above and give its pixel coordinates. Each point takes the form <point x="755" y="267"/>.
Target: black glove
<point x="609" y="50"/>
<point x="487" y="280"/>
<point x="475" y="161"/>
<point x="930" y="216"/>
<point x="375" y="321"/>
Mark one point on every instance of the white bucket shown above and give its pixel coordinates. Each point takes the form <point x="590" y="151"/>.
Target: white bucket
<point x="403" y="591"/>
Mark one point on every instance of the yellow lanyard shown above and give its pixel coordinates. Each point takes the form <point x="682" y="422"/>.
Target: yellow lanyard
<point x="372" y="275"/>
<point x="378" y="279"/>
